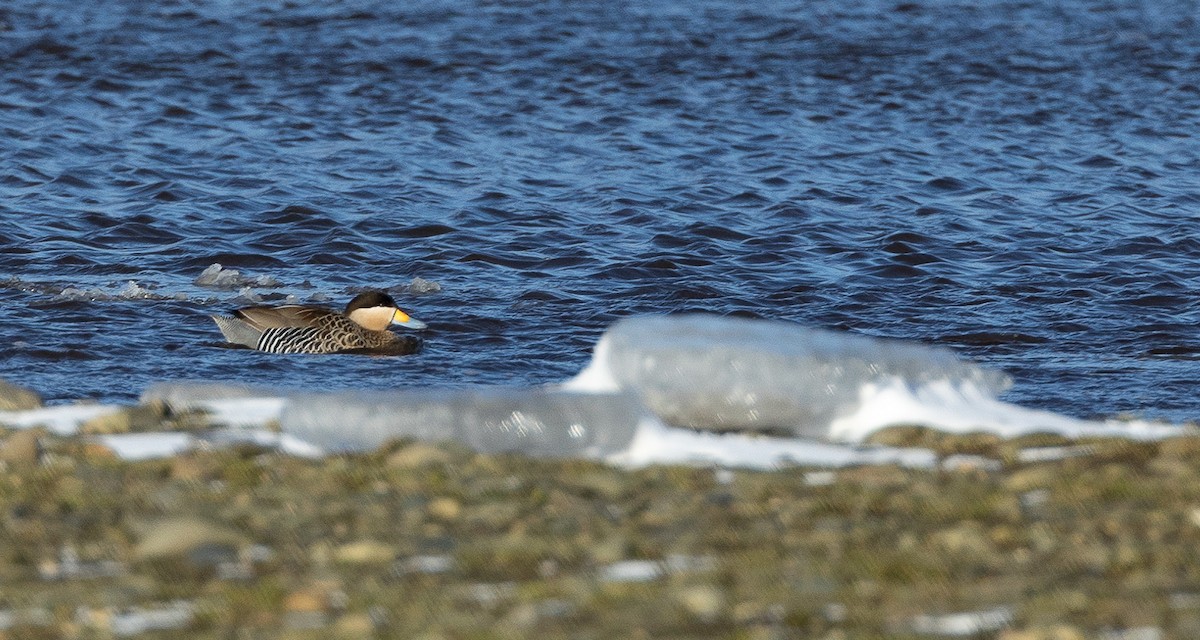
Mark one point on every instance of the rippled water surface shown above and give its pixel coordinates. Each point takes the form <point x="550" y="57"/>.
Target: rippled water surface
<point x="1017" y="179"/>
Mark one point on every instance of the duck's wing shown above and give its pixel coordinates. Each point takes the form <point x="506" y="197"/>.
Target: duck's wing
<point x="237" y="331"/>
<point x="292" y="315"/>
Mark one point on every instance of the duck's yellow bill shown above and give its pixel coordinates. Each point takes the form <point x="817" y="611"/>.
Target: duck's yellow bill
<point x="405" y="320"/>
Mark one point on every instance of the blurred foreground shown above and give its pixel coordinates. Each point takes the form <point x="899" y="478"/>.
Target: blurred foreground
<point x="1035" y="537"/>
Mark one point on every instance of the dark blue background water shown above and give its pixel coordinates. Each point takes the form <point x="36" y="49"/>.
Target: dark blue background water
<point x="1017" y="179"/>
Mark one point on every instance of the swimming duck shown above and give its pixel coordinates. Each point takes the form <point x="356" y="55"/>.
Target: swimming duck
<point x="296" y="328"/>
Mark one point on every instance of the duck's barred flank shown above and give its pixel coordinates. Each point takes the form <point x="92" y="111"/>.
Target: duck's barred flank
<point x="335" y="333"/>
<point x="294" y="340"/>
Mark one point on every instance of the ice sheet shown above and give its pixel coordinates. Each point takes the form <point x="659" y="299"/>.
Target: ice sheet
<point x="490" y="420"/>
<point x="733" y="374"/>
<point x="719" y="373"/>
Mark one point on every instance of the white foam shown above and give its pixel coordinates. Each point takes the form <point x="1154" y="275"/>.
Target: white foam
<point x="217" y="277"/>
<point x="963" y="407"/>
<point x="134" y="291"/>
<point x="131" y="291"/>
<point x="655" y="443"/>
<point x="420" y="285"/>
<point x="61" y="420"/>
<point x="146" y="446"/>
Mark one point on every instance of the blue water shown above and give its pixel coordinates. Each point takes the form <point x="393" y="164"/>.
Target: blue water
<point x="1019" y="180"/>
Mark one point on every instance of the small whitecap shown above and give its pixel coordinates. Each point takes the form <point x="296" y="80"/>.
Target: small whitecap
<point x="246" y="294"/>
<point x="134" y="291"/>
<point x="420" y="285"/>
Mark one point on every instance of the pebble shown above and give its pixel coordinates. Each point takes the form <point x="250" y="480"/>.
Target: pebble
<point x="965" y="624"/>
<point x="1036" y="477"/>
<point x="95" y="451"/>
<point x="427" y="564"/>
<point x="875" y="476"/>
<point x="702" y="601"/>
<point x="307" y="620"/>
<point x="159" y="617"/>
<point x="140" y="417"/>
<point x="304" y="601"/>
<point x="364" y="552"/>
<point x="305" y="609"/>
<point x="1136" y="633"/>
<point x="1058" y="632"/>
<point x="417" y="455"/>
<point x="444" y="509"/>
<point x="966" y="539"/>
<point x="354" y="625"/>
<point x="193" y="468"/>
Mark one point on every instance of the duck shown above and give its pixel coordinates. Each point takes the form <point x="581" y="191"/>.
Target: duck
<point x="298" y="328"/>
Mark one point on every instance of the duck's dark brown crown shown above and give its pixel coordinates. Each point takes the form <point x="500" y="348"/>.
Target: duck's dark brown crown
<point x="370" y="299"/>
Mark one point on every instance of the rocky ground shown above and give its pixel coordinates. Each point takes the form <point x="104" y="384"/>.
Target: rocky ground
<point x="1038" y="538"/>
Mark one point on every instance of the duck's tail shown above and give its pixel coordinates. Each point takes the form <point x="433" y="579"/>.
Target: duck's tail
<point x="238" y="331"/>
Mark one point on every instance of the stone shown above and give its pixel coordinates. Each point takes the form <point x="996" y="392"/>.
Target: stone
<point x="194" y="467"/>
<point x="417" y="455"/>
<point x="901" y="436"/>
<point x="22" y="448"/>
<point x="875" y="476"/>
<point x="95" y="452"/>
<point x="1182" y="447"/>
<point x="142" y="417"/>
<point x="1037" y="477"/>
<point x="15" y="398"/>
<point x="965" y="539"/>
<point x="183" y="536"/>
